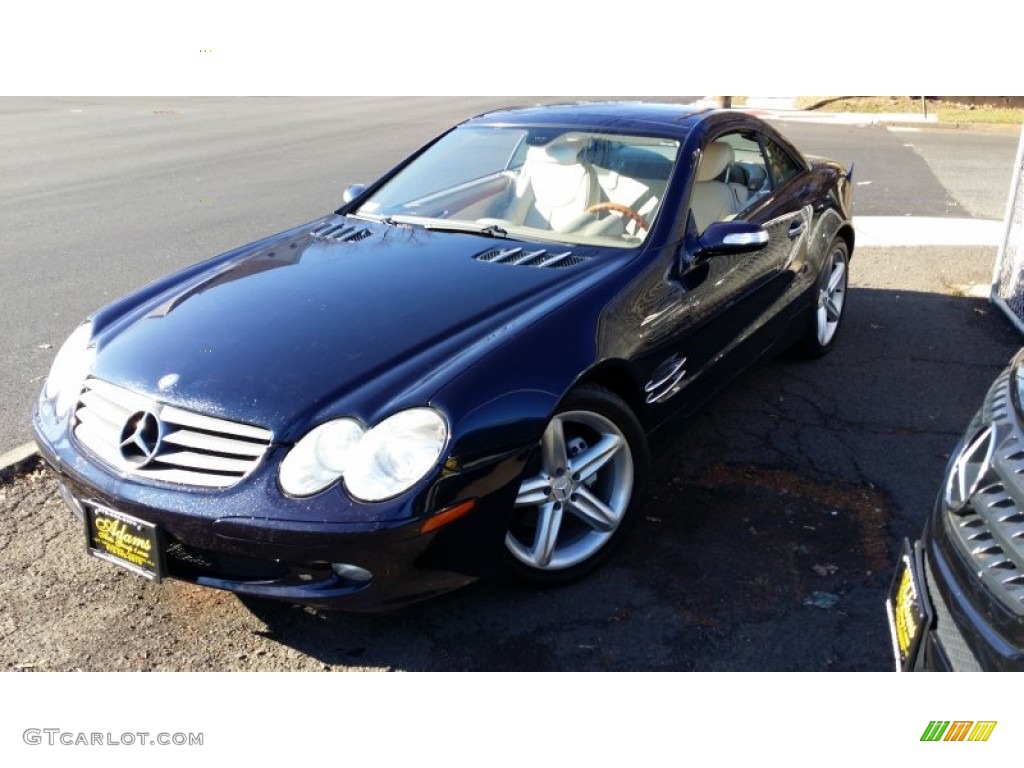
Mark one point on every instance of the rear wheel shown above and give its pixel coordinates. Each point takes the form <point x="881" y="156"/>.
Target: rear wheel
<point x="826" y="314"/>
<point x="580" y="491"/>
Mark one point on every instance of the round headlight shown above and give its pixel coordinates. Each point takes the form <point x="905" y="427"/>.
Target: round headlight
<point x="320" y="458"/>
<point x="69" y="369"/>
<point x="396" y="454"/>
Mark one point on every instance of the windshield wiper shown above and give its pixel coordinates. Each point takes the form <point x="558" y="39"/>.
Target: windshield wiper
<point x="491" y="230"/>
<point x="389" y="220"/>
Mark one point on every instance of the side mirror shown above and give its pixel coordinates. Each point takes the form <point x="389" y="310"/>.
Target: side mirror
<point x="352" y="192"/>
<point x="732" y="237"/>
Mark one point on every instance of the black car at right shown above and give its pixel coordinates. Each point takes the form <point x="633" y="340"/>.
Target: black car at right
<point x="957" y="597"/>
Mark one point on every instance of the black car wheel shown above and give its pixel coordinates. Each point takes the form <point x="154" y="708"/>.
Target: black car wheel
<point x="580" y="490"/>
<point x="826" y="313"/>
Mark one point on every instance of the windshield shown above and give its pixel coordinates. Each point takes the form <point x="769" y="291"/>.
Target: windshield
<point x="541" y="183"/>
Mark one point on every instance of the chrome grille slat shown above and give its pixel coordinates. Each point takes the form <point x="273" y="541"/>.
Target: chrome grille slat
<point x="125" y="398"/>
<point x="184" y="477"/>
<point x="172" y="415"/>
<point x="203" y="461"/>
<point x="99" y="442"/>
<point x="109" y="411"/>
<point x="181" y="447"/>
<point x="214" y="444"/>
<point x="98" y="421"/>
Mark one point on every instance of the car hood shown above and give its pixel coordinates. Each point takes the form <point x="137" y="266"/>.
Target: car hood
<point x="356" y="318"/>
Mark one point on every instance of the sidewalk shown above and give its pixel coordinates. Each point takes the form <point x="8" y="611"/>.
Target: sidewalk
<point x="784" y="108"/>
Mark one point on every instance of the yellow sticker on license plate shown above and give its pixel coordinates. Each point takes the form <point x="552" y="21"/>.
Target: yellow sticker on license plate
<point x="124" y="540"/>
<point x="907" y="609"/>
<point x="904" y="614"/>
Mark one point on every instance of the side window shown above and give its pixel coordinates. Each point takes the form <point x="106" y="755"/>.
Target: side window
<point x="732" y="174"/>
<point x="780" y="164"/>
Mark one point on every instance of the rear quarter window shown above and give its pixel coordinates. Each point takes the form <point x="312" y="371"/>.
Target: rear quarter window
<point x="781" y="165"/>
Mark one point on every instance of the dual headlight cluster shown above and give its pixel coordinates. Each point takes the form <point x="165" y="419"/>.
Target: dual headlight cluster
<point x="374" y="464"/>
<point x="69" y="369"/>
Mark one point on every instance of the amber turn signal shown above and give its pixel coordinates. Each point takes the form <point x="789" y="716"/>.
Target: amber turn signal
<point x="447" y="516"/>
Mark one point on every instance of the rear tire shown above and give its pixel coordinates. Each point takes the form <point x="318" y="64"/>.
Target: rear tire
<point x="829" y="306"/>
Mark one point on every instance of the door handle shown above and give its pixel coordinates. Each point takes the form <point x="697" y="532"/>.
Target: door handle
<point x="797" y="227"/>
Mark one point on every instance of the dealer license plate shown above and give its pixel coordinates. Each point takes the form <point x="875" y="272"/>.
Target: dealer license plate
<point x="124" y="540"/>
<point x="907" y="606"/>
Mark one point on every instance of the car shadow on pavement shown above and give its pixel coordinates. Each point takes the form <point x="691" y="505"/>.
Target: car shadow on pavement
<point x="772" y="521"/>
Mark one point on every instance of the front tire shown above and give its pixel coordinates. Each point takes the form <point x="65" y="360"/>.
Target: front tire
<point x="580" y="491"/>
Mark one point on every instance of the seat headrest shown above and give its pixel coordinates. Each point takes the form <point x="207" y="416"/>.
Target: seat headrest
<point x="716" y="157"/>
<point x="560" y="154"/>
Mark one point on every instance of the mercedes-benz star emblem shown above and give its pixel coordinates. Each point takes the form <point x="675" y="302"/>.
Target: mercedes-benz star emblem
<point x="140" y="439"/>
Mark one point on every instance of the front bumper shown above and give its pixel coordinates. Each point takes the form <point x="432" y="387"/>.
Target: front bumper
<point x="252" y="541"/>
<point x="942" y="646"/>
<point x="964" y="632"/>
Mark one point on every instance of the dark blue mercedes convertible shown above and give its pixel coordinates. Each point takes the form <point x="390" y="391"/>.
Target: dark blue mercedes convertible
<point x="454" y="373"/>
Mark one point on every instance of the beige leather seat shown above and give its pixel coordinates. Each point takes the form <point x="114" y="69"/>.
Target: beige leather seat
<point x="554" y="188"/>
<point x="712" y="200"/>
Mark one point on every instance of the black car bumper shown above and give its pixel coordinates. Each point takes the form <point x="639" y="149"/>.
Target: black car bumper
<point x="965" y="629"/>
<point x="304" y="561"/>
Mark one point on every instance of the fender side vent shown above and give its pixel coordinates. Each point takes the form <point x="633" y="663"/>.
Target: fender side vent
<point x="520" y="257"/>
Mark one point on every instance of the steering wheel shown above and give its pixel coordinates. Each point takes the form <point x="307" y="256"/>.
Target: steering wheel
<point x="623" y="209"/>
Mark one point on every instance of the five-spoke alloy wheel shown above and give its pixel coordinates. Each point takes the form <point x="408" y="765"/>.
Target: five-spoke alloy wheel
<point x="830" y="300"/>
<point x="579" y="491"/>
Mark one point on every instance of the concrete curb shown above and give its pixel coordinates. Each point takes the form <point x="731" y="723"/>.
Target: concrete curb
<point x="14" y="459"/>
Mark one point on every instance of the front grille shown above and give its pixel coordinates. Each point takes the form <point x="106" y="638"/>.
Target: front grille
<point x="147" y="439"/>
<point x="520" y="257"/>
<point x="989" y="474"/>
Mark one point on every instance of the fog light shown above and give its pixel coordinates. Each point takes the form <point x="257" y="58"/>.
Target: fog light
<point x="351" y="572"/>
<point x="71" y="501"/>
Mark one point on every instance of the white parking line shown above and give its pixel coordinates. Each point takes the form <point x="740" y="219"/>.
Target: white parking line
<point x="884" y="231"/>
